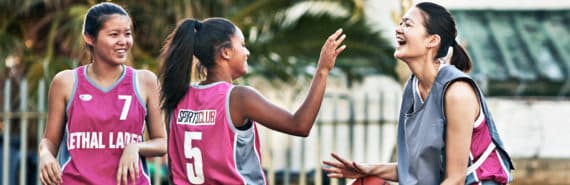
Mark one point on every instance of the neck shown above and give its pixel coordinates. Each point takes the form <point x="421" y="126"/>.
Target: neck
<point x="104" y="72"/>
<point x="426" y="71"/>
<point x="217" y="74"/>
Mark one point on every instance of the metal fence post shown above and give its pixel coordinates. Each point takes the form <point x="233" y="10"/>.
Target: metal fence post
<point x="23" y="131"/>
<point x="366" y="123"/>
<point x="302" y="173"/>
<point x="381" y="122"/>
<point x="351" y="125"/>
<point x="318" y="171"/>
<point x="335" y="130"/>
<point x="7" y="128"/>
<point x="41" y="120"/>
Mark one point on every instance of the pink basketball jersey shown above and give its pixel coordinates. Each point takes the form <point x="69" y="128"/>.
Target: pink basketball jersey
<point x="204" y="147"/>
<point x="100" y="123"/>
<point x="487" y="162"/>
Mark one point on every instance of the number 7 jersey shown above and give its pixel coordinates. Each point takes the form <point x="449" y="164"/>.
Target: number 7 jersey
<point x="100" y="122"/>
<point x="204" y="146"/>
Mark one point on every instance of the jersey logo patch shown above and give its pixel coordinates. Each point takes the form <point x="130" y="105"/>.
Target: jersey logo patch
<point x="85" y="97"/>
<point x="196" y="117"/>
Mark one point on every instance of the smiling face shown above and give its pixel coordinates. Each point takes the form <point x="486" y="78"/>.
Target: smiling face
<point x="412" y="39"/>
<point x="239" y="54"/>
<point x="113" y="41"/>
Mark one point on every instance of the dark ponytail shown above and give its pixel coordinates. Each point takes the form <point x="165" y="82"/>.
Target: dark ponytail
<point x="190" y="38"/>
<point x="176" y="66"/>
<point x="460" y="58"/>
<point x="439" y="21"/>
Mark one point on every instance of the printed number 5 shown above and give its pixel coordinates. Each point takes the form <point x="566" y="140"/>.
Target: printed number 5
<point x="126" y="106"/>
<point x="194" y="172"/>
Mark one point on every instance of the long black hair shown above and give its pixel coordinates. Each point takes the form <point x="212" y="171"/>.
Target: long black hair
<point x="439" y="21"/>
<point x="96" y="16"/>
<point x="190" y="38"/>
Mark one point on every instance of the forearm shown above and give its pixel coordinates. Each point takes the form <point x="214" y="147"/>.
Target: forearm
<point x="46" y="147"/>
<point x="153" y="147"/>
<point x="307" y="112"/>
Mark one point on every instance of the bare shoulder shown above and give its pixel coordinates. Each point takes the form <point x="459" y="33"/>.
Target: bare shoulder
<point x="62" y="85"/>
<point x="460" y="90"/>
<point x="461" y="94"/>
<point x="65" y="75"/>
<point x="147" y="78"/>
<point x="244" y="92"/>
<point x="247" y="102"/>
<point x="63" y="79"/>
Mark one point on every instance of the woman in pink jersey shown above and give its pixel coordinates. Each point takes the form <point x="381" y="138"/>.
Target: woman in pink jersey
<point x="212" y="124"/>
<point x="446" y="134"/>
<point x="97" y="112"/>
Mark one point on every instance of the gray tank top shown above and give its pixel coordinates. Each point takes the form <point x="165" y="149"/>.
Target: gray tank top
<point x="421" y="130"/>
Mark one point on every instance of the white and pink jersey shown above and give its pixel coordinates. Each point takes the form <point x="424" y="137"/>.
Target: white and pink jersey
<point x="487" y="163"/>
<point x="204" y="146"/>
<point x="100" y="123"/>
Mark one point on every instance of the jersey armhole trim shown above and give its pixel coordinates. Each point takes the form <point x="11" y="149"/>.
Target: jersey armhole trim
<point x="480" y="118"/>
<point x="73" y="90"/>
<point x="229" y="116"/>
<point x="137" y="91"/>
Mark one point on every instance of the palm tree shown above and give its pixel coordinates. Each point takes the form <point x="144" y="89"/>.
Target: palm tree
<point x="284" y="36"/>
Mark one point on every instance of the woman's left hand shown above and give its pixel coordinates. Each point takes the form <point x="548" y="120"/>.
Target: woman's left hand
<point x="129" y="164"/>
<point x="343" y="168"/>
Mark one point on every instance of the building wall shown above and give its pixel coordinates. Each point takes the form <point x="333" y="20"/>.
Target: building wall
<point x="533" y="128"/>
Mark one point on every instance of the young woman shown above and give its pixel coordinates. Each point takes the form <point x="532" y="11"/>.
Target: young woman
<point x="97" y="112"/>
<point x="445" y="134"/>
<point x="212" y="124"/>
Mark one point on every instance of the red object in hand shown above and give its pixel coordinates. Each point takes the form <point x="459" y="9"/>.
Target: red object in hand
<point x="370" y="180"/>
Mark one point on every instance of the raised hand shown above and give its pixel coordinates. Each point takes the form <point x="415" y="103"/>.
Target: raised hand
<point x="331" y="50"/>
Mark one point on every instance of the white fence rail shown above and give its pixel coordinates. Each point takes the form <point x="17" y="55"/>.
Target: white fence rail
<point x="356" y="127"/>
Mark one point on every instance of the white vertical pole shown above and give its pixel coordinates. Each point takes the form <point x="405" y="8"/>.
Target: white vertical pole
<point x="23" y="132"/>
<point x="41" y="119"/>
<point x="318" y="171"/>
<point x="302" y="173"/>
<point x="6" y="156"/>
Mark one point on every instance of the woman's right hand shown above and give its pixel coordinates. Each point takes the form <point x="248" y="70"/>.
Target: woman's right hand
<point x="50" y="173"/>
<point x="331" y="50"/>
<point x="345" y="169"/>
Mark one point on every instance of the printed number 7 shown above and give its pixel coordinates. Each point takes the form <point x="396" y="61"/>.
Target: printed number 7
<point x="194" y="172"/>
<point x="126" y="106"/>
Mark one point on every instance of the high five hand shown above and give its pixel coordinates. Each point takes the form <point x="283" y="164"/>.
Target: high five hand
<point x="331" y="50"/>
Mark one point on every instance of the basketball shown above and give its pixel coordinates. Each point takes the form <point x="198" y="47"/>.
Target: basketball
<point x="370" y="180"/>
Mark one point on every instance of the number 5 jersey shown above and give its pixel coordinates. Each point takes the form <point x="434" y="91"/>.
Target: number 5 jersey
<point x="204" y="146"/>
